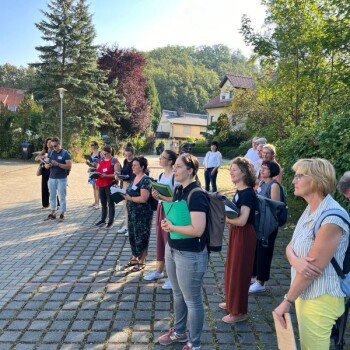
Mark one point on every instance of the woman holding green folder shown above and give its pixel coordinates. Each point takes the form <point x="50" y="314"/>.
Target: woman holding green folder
<point x="186" y="257"/>
<point x="166" y="161"/>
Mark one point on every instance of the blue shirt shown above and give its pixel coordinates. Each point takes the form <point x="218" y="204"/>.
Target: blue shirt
<point x="60" y="157"/>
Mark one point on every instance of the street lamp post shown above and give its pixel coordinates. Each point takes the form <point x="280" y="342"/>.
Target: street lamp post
<point x="61" y="92"/>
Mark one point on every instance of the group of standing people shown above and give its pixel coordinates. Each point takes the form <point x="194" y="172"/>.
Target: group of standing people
<point x="315" y="287"/>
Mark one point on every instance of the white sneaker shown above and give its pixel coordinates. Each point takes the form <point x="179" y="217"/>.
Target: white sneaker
<point x="126" y="234"/>
<point x="167" y="285"/>
<point x="123" y="230"/>
<point x="154" y="275"/>
<point x="252" y="280"/>
<point x="256" y="287"/>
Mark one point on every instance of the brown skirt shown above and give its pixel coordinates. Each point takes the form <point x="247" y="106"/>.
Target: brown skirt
<point x="239" y="268"/>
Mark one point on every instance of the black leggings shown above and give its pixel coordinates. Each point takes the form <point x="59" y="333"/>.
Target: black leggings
<point x="106" y="199"/>
<point x="263" y="258"/>
<point x="45" y="193"/>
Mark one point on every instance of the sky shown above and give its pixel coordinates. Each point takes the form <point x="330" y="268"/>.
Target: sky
<point x="141" y="24"/>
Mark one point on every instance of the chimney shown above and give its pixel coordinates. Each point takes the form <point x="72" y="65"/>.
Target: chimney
<point x="180" y="112"/>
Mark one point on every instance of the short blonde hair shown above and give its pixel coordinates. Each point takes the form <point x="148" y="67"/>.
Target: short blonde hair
<point x="271" y="148"/>
<point x="321" y="171"/>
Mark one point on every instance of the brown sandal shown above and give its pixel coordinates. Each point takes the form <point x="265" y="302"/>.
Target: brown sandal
<point x="132" y="262"/>
<point x="138" y="267"/>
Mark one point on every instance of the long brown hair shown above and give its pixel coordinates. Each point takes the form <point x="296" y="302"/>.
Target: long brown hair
<point x="247" y="169"/>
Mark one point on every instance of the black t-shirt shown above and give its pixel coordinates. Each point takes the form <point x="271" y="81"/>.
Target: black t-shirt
<point x="127" y="170"/>
<point x="246" y="197"/>
<point x="198" y="202"/>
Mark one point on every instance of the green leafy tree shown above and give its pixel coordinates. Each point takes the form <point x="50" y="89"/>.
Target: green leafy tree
<point x="304" y="74"/>
<point x="16" y="77"/>
<point x="189" y="77"/>
<point x="301" y="102"/>
<point x="69" y="60"/>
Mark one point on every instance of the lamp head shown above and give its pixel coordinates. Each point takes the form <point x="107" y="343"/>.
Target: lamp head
<point x="61" y="92"/>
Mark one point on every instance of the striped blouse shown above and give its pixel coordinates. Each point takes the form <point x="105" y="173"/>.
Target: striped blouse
<point x="303" y="240"/>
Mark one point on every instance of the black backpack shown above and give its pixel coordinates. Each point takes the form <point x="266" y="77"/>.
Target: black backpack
<point x="266" y="217"/>
<point x="215" y="218"/>
<point x="282" y="213"/>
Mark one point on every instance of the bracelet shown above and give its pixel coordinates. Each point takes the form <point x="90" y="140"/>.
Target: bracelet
<point x="287" y="300"/>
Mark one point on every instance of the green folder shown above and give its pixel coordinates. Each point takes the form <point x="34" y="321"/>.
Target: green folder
<point x="179" y="215"/>
<point x="164" y="190"/>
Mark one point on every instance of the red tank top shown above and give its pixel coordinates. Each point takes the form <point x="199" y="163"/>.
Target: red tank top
<point x="105" y="167"/>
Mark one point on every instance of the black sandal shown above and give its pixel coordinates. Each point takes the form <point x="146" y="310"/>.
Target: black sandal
<point x="132" y="262"/>
<point x="138" y="267"/>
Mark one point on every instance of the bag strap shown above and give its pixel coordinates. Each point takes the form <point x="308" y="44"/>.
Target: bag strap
<point x="345" y="217"/>
<point x="196" y="189"/>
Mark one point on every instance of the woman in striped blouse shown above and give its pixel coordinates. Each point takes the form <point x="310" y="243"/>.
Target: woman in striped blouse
<point x="315" y="286"/>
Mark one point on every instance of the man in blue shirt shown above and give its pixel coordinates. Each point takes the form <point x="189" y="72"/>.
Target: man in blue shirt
<point x="59" y="164"/>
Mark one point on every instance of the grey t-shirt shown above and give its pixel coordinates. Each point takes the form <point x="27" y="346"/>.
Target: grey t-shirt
<point x="60" y="157"/>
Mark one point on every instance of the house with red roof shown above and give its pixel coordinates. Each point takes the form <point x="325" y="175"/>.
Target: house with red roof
<point x="220" y="103"/>
<point x="11" y="98"/>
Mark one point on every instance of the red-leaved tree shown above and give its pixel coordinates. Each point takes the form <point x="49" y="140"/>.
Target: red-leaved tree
<point x="126" y="68"/>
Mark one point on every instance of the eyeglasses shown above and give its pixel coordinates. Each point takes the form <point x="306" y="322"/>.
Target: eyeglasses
<point x="92" y="145"/>
<point x="297" y="177"/>
<point x="161" y="156"/>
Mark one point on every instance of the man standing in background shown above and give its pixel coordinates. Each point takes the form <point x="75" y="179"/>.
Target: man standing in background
<point x="59" y="164"/>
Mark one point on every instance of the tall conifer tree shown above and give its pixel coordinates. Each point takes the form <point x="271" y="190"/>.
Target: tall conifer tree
<point x="69" y="60"/>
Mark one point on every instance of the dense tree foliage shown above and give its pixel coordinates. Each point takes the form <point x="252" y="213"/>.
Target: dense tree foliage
<point x="303" y="95"/>
<point x="126" y="68"/>
<point x="69" y="60"/>
<point x="16" y="77"/>
<point x="188" y="77"/>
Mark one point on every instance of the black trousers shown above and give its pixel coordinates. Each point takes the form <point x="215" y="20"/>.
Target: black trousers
<point x="263" y="258"/>
<point x="45" y="193"/>
<point x="106" y="200"/>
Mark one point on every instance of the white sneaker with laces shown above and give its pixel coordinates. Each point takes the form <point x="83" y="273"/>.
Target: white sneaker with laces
<point x="256" y="287"/>
<point x="167" y="285"/>
<point x="154" y="275"/>
<point x="123" y="230"/>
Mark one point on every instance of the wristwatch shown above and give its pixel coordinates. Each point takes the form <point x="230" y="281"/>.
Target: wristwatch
<point x="286" y="299"/>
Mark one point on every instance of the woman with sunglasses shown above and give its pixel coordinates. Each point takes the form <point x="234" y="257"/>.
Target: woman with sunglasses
<point x="186" y="258"/>
<point x="167" y="160"/>
<point x="95" y="155"/>
<point x="315" y="287"/>
<point x="107" y="167"/>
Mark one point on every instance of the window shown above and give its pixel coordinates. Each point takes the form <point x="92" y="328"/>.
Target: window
<point x="12" y="108"/>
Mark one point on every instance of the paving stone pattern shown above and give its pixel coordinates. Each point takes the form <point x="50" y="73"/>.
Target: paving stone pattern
<point x="61" y="286"/>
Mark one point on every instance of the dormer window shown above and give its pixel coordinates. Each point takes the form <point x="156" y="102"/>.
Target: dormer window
<point x="226" y="95"/>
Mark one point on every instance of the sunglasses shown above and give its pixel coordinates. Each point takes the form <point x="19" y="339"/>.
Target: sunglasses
<point x="54" y="146"/>
<point x="161" y="156"/>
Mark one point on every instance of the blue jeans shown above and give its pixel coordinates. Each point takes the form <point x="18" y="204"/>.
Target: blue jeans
<point x="60" y="186"/>
<point x="186" y="271"/>
<point x="209" y="178"/>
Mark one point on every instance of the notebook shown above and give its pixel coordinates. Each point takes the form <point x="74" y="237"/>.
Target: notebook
<point x="285" y="337"/>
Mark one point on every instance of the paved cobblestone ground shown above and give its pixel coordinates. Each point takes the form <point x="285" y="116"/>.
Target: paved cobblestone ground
<point x="60" y="287"/>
